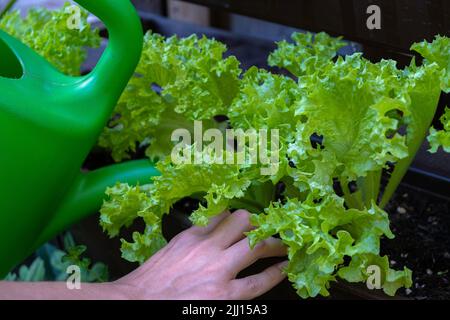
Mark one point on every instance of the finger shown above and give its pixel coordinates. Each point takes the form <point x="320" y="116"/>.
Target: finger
<point x="240" y="255"/>
<point x="213" y="223"/>
<point x="232" y="229"/>
<point x="258" y="284"/>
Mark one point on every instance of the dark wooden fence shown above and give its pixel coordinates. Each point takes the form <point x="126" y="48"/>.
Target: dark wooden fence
<point x="402" y="21"/>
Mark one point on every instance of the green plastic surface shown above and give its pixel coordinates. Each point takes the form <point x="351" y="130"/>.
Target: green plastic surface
<point x="49" y="122"/>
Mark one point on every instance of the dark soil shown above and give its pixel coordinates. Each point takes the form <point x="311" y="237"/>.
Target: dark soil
<point x="421" y="224"/>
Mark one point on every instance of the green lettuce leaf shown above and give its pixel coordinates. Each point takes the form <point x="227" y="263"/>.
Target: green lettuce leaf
<point x="441" y="138"/>
<point x="216" y="184"/>
<point x="437" y="52"/>
<point x="308" y="53"/>
<point x="319" y="234"/>
<point x="354" y="112"/>
<point x="392" y="280"/>
<point x="265" y="101"/>
<point x="47" y="33"/>
<point x="123" y="207"/>
<point x="176" y="81"/>
<point x="144" y="245"/>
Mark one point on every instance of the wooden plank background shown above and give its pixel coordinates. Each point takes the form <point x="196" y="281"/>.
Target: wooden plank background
<point x="403" y="21"/>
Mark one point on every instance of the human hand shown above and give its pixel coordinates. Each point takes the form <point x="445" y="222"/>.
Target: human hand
<point x="202" y="263"/>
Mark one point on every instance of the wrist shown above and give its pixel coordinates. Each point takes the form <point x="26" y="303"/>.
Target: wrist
<point x="126" y="291"/>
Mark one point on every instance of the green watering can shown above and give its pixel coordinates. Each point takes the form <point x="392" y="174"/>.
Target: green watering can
<point x="49" y="122"/>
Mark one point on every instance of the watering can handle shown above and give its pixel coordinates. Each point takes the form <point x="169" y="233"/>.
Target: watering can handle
<point x="106" y="81"/>
<point x="120" y="58"/>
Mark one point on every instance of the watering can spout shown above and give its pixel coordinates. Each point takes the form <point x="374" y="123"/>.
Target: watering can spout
<point x="122" y="54"/>
<point x="88" y="192"/>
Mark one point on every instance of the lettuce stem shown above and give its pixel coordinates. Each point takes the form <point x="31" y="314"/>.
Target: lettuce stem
<point x="351" y="200"/>
<point x="370" y="187"/>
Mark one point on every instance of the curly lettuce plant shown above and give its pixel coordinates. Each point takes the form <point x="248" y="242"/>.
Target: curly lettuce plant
<point x="342" y="122"/>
